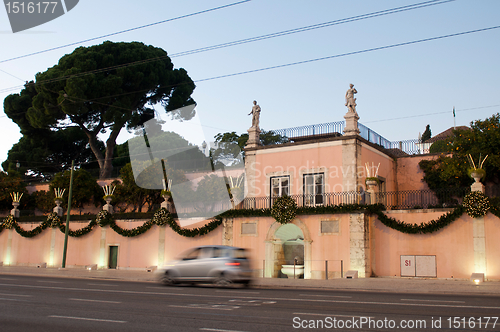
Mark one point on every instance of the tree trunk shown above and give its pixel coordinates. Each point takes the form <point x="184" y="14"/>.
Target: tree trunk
<point x="95" y="149"/>
<point x="106" y="170"/>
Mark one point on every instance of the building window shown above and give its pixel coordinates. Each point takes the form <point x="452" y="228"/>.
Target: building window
<point x="313" y="189"/>
<point x="249" y="228"/>
<point x="280" y="186"/>
<point x="329" y="226"/>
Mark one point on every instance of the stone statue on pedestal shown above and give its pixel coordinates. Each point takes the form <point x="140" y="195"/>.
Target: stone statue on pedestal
<point x="350" y="101"/>
<point x="255" y="115"/>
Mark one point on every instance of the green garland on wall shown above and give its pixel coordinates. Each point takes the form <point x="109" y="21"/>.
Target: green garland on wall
<point x="284" y="209"/>
<point x="423" y="228"/>
<point x="163" y="218"/>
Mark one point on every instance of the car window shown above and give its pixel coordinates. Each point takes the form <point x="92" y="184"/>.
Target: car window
<point x="240" y="253"/>
<point x="205" y="253"/>
<point x="192" y="255"/>
<point x="220" y="252"/>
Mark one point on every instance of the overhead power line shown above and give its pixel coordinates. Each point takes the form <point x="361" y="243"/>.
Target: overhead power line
<point x="347" y="54"/>
<point x="315" y="26"/>
<point x="127" y="30"/>
<point x="316" y="59"/>
<point x="254" y="39"/>
<point x="428" y="114"/>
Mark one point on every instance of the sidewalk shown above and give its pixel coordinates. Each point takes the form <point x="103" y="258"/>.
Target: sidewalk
<point x="406" y="285"/>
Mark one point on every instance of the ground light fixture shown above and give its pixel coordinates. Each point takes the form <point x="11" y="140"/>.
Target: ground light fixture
<point x="477" y="278"/>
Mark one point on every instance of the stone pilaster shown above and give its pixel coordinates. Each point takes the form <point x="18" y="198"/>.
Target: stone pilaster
<point x="479" y="239"/>
<point x="250" y="173"/>
<point x="161" y="246"/>
<point x="351" y="157"/>
<point x="227" y="232"/>
<point x="359" y="243"/>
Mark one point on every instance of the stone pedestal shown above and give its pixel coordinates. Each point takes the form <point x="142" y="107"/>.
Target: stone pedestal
<point x="108" y="207"/>
<point x="351" y="124"/>
<point x="167" y="203"/>
<point x="372" y="190"/>
<point x="58" y="209"/>
<point x="253" y="138"/>
<point x="477" y="186"/>
<point x="15" y="211"/>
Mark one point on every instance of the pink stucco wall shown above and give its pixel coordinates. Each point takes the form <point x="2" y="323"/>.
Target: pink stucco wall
<point x="452" y="245"/>
<point x="135" y="252"/>
<point x="297" y="160"/>
<point x="386" y="169"/>
<point x="409" y="174"/>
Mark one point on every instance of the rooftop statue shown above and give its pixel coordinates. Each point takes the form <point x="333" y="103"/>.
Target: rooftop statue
<point x="255" y="115"/>
<point x="350" y="101"/>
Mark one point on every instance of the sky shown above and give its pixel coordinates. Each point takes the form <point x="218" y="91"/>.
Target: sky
<point x="400" y="89"/>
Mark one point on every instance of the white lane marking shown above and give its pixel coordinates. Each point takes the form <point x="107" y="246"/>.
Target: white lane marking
<point x="7" y="279"/>
<point x="432" y="300"/>
<point x="86" y="300"/>
<point x="329" y="315"/>
<point x="248" y="297"/>
<point x="15" y="295"/>
<point x="340" y="296"/>
<point x="13" y="300"/>
<point x="107" y="285"/>
<point x="50" y="282"/>
<point x="231" y="291"/>
<point x="90" y="319"/>
<point x="199" y="307"/>
<point x="218" y="330"/>
<point x="163" y="288"/>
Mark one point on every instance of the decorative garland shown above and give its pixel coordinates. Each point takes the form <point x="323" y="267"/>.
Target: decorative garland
<point x="423" y="228"/>
<point x="162" y="217"/>
<point x="33" y="232"/>
<point x="476" y="204"/>
<point x="54" y="220"/>
<point x="284" y="209"/>
<point x="81" y="232"/>
<point x="8" y="222"/>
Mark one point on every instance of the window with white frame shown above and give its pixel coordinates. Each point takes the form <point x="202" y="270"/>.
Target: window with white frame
<point x="313" y="189"/>
<point x="280" y="186"/>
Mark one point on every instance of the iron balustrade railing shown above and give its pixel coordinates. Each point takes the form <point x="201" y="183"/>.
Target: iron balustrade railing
<point x="373" y="137"/>
<point x="403" y="147"/>
<point x="422" y="199"/>
<point x="326" y="199"/>
<point x="395" y="200"/>
<point x="311" y="130"/>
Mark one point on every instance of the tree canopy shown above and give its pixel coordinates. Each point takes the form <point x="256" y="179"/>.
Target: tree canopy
<point x="42" y="152"/>
<point x="450" y="170"/>
<point x="231" y="145"/>
<point x="101" y="90"/>
<point x="427" y="133"/>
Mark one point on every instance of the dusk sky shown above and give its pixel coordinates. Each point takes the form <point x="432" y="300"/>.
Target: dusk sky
<point x="401" y="89"/>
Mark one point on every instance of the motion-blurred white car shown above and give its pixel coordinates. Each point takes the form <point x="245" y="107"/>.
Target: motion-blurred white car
<point x="221" y="265"/>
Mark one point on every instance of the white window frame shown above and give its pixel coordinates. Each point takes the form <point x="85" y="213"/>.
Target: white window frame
<point x="315" y="196"/>
<point x="280" y="188"/>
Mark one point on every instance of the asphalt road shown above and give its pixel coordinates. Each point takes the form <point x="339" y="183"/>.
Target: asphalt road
<point x="58" y="304"/>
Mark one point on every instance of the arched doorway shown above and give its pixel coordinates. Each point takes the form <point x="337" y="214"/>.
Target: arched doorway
<point x="284" y="243"/>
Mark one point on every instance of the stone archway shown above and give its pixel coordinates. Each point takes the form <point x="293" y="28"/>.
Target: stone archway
<point x="274" y="246"/>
